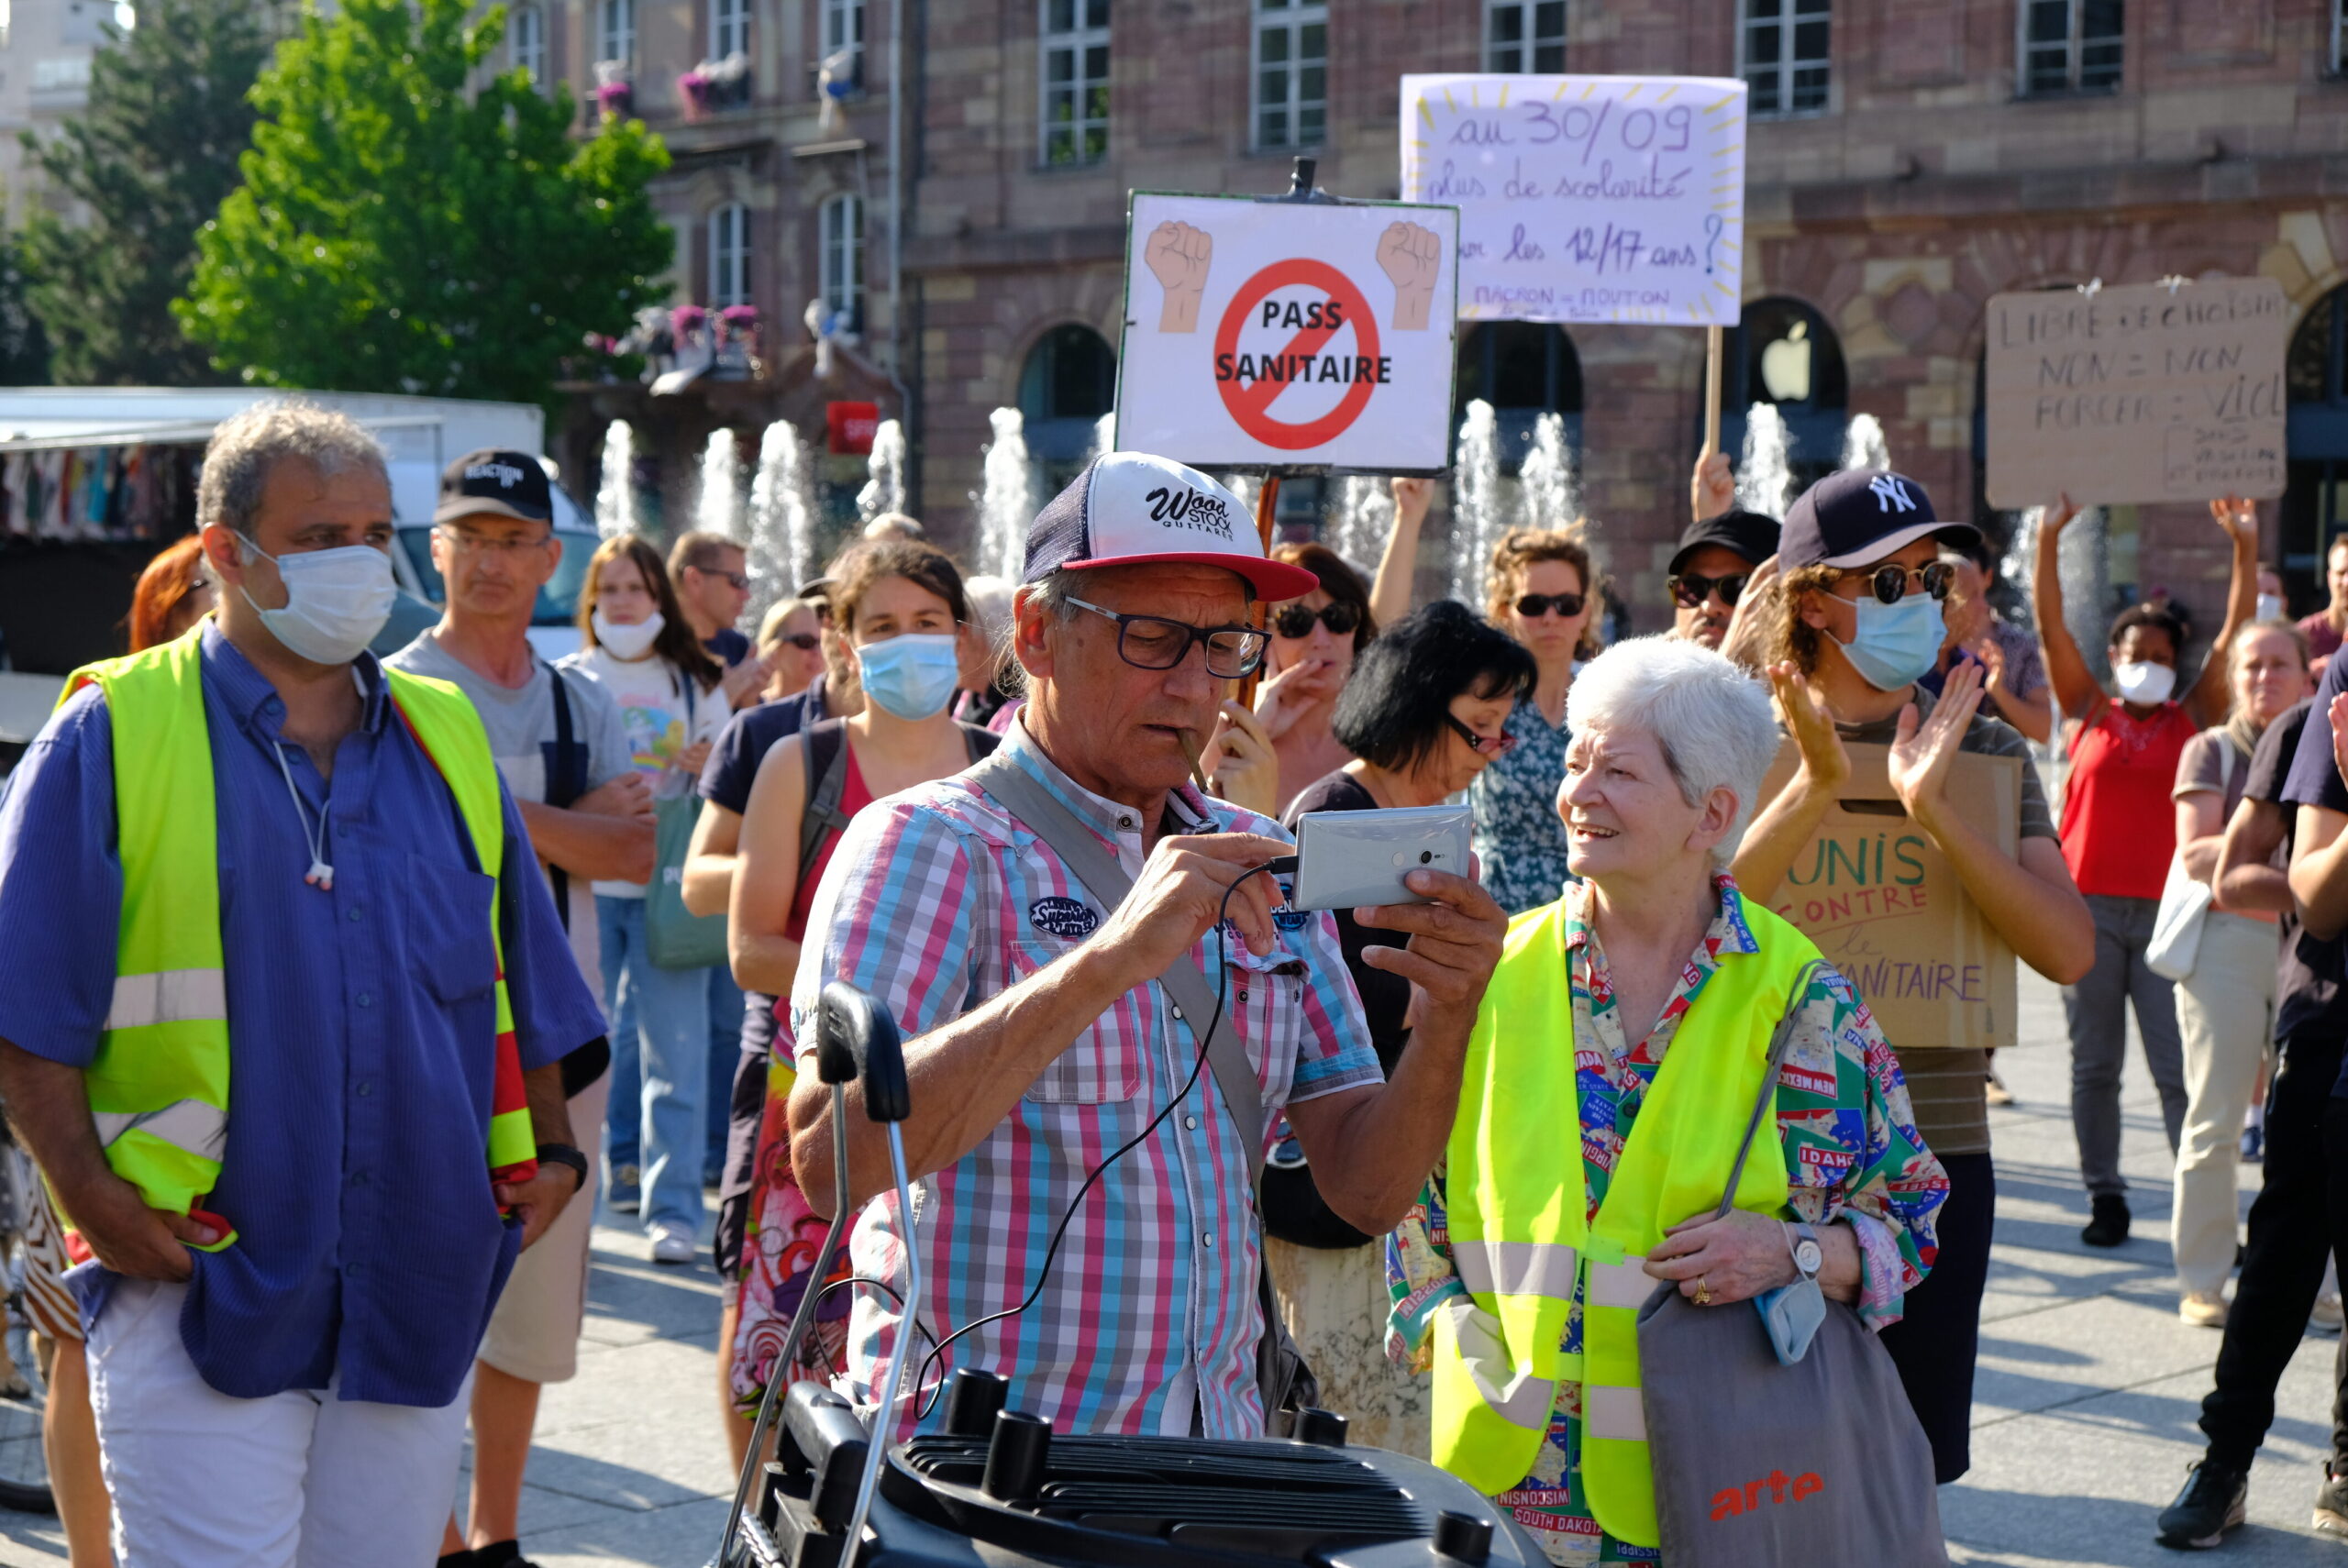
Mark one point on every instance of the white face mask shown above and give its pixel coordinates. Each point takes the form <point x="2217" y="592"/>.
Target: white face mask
<point x="336" y="600"/>
<point x="625" y="643"/>
<point x="2270" y="606"/>
<point x="2145" y="684"/>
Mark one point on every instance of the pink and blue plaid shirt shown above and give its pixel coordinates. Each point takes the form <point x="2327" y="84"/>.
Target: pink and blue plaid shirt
<point x="936" y="900"/>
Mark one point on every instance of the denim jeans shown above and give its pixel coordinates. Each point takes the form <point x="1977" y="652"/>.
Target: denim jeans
<point x="661" y="1031"/>
<point x="724" y="1055"/>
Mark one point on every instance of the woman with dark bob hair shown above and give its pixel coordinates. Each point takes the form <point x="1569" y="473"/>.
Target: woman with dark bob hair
<point x="1422" y="715"/>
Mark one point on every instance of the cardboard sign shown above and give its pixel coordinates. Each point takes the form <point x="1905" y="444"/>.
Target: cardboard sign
<point x="1585" y="198"/>
<point x="1276" y="333"/>
<point x="2137" y="395"/>
<point x="1886" y="909"/>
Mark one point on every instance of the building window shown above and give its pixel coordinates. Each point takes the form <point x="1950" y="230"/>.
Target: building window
<point x="841" y="228"/>
<point x="2339" y="38"/>
<point x="1068" y="381"/>
<point x="1785" y="45"/>
<point x="2070" y="46"/>
<point x="729" y="28"/>
<point x="844" y="29"/>
<point x="1523" y="35"/>
<point x="1292" y="97"/>
<point x="526" y="42"/>
<point x="1525" y="369"/>
<point x="1076" y="81"/>
<point x="616" y="31"/>
<point x="1783" y="353"/>
<point x="729" y="256"/>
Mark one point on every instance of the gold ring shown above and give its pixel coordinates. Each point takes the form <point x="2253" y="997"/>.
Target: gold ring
<point x="1703" y="1292"/>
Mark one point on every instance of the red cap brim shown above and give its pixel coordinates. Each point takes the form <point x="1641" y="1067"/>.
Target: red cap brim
<point x="1272" y="581"/>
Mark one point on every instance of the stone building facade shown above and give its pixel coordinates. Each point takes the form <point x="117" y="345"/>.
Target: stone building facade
<point x="1908" y="160"/>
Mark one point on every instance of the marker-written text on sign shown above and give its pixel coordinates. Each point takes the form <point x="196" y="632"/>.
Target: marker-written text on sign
<point x="2142" y="393"/>
<point x="1585" y="198"/>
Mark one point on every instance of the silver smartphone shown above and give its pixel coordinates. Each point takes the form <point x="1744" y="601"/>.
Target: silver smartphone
<point x="1347" y="859"/>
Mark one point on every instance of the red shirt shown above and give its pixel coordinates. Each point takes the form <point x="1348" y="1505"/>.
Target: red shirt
<point x="2119" y="825"/>
<point x="2323" y="637"/>
<point x="855" y="795"/>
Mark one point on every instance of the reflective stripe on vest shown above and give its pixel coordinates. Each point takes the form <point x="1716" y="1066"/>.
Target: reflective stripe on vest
<point x="159" y="1084"/>
<point x="1519" y="1233"/>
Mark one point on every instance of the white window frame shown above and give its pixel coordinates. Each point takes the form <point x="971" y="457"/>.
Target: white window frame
<point x="1077" y="42"/>
<point x="526" y="42"/>
<point x="1290" y="17"/>
<point x="729" y="256"/>
<point x="729" y="28"/>
<point x="839" y="253"/>
<point x="2075" y="47"/>
<point x="1530" y="42"/>
<point x="1783" y="15"/>
<point x="842" y="27"/>
<point x="615" y="31"/>
<point x="2339" y="38"/>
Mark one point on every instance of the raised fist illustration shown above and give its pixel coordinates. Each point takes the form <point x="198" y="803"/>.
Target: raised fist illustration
<point x="1178" y="255"/>
<point x="1410" y="255"/>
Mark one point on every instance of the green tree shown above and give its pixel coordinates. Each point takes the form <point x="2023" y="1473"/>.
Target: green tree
<point x="410" y="223"/>
<point x="148" y="159"/>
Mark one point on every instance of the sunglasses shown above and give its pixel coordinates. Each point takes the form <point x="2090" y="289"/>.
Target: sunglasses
<point x="1689" y="592"/>
<point x="1295" y="620"/>
<point x="1488" y="747"/>
<point x="805" y="642"/>
<point x="1533" y="606"/>
<point x="1889" y="582"/>
<point x="739" y="580"/>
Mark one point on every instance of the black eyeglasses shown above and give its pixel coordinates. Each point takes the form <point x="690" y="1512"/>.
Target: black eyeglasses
<point x="1689" y="591"/>
<point x="1889" y="581"/>
<point x="1533" y="606"/>
<point x="1296" y="621"/>
<point x="804" y="641"/>
<point x="1153" y="642"/>
<point x="1489" y="747"/>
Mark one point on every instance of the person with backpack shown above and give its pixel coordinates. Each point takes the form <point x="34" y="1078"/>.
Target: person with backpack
<point x="641" y="648"/>
<point x="900" y="609"/>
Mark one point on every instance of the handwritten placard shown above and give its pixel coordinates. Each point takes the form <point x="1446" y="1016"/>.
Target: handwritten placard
<point x="1887" y="910"/>
<point x="2139" y="394"/>
<point x="1585" y="198"/>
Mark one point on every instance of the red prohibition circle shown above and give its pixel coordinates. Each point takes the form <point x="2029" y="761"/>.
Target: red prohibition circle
<point x="1250" y="408"/>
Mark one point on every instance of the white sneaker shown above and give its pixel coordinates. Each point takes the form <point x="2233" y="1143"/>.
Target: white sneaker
<point x="672" y="1243"/>
<point x="2325" y="1318"/>
<point x="2203" y="1311"/>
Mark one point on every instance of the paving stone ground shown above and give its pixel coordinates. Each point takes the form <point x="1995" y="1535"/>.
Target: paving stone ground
<point x="2084" y="1413"/>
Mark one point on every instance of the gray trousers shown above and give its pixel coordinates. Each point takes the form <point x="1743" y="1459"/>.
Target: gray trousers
<point x="2123" y="929"/>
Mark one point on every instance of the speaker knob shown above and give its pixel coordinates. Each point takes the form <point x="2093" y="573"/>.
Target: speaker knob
<point x="973" y="1400"/>
<point x="1462" y="1538"/>
<point x="1326" y="1428"/>
<point x="1016" y="1456"/>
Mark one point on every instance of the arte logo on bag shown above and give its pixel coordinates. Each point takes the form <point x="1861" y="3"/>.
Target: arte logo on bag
<point x="1735" y="1501"/>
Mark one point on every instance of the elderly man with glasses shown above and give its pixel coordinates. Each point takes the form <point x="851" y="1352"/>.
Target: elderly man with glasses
<point x="1049" y="929"/>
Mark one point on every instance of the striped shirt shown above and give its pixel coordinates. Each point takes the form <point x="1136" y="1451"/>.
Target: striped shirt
<point x="936" y="900"/>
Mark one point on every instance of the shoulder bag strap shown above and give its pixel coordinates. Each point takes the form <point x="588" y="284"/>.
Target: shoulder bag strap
<point x="1194" y="999"/>
<point x="824" y="751"/>
<point x="566" y="782"/>
<point x="1779" y="1045"/>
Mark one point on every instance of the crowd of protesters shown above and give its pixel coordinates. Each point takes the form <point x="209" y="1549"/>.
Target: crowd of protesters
<point x="494" y="943"/>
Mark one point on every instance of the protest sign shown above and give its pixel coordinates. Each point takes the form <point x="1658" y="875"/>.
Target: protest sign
<point x="1289" y="333"/>
<point x="1585" y="198"/>
<point x="1887" y="910"/>
<point x="2142" y="393"/>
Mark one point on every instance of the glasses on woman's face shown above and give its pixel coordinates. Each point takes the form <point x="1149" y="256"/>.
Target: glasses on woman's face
<point x="1533" y="606"/>
<point x="1888" y="582"/>
<point x="1153" y="642"/>
<point x="1295" y="621"/>
<point x="1689" y="592"/>
<point x="805" y="642"/>
<point x="1489" y="747"/>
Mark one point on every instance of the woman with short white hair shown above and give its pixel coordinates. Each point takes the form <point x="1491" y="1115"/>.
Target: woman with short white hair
<point x="1640" y="1006"/>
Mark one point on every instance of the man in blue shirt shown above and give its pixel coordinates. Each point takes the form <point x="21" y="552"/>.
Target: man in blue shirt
<point x="297" y="1396"/>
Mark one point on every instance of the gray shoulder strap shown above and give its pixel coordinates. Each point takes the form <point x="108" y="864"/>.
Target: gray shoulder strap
<point x="1098" y="869"/>
<point x="1780" y="1044"/>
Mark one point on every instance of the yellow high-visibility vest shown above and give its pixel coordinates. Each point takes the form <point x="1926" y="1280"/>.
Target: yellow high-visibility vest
<point x="1519" y="1233"/>
<point x="159" y="1085"/>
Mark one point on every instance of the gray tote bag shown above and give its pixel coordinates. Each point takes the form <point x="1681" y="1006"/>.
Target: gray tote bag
<point x="1818" y="1465"/>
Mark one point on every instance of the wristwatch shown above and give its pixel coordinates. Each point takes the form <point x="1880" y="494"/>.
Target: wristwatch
<point x="1802" y="1242"/>
<point x="564" y="1155"/>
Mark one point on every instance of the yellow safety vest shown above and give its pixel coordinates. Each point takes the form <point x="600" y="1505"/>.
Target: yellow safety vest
<point x="159" y="1085"/>
<point x="1518" y="1230"/>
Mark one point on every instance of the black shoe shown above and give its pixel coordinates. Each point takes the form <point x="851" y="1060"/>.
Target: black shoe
<point x="501" y="1554"/>
<point x="2213" y="1502"/>
<point x="2108" y="1224"/>
<point x="2331" y="1503"/>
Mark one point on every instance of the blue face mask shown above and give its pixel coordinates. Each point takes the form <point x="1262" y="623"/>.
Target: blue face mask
<point x="1895" y="644"/>
<point x="911" y="676"/>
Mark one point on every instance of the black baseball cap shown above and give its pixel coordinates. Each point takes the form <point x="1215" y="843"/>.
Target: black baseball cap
<point x="1859" y="515"/>
<point x="1752" y="535"/>
<point x="502" y="483"/>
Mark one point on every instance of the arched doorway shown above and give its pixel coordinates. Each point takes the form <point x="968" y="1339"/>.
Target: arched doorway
<point x="2315" y="499"/>
<point x="1068" y="381"/>
<point x="1784" y="353"/>
<point x="1525" y="369"/>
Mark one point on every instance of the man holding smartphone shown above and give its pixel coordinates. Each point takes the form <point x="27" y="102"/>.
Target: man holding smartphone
<point x="1044" y="1014"/>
